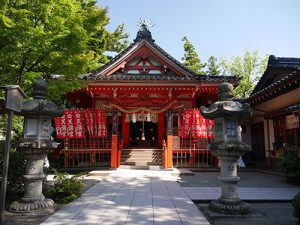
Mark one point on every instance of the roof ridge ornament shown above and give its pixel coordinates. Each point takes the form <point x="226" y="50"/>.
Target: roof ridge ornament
<point x="144" y="32"/>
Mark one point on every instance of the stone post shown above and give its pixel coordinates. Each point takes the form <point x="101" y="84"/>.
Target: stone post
<point x="227" y="146"/>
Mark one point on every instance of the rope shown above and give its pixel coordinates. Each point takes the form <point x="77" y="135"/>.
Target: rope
<point x="122" y="109"/>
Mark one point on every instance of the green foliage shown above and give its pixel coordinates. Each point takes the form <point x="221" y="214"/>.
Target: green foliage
<point x="213" y="67"/>
<point x="65" y="189"/>
<point x="296" y="206"/>
<point x="16" y="169"/>
<point x="65" y="85"/>
<point x="53" y="37"/>
<point x="290" y="162"/>
<point x="191" y="58"/>
<point x="248" y="68"/>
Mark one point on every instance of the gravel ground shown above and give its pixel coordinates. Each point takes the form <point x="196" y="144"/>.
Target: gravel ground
<point x="248" y="179"/>
<point x="266" y="214"/>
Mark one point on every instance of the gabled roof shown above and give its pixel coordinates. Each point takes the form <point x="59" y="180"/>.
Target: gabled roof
<point x="287" y="83"/>
<point x="145" y="42"/>
<point x="276" y="66"/>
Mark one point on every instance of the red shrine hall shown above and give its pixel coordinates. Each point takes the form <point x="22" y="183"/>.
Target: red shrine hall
<point x="140" y="109"/>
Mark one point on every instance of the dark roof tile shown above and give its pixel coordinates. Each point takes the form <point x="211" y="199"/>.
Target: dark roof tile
<point x="276" y="63"/>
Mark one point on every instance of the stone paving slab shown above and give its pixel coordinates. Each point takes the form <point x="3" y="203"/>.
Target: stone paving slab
<point x="132" y="197"/>
<point x="250" y="194"/>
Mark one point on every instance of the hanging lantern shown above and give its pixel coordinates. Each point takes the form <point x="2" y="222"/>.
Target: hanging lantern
<point x="133" y="118"/>
<point x="148" y="117"/>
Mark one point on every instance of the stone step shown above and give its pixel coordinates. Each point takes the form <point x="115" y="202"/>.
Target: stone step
<point x="142" y="157"/>
<point x="141" y="167"/>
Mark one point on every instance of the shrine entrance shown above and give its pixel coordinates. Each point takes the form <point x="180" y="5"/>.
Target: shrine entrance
<point x="143" y="134"/>
<point x="145" y="95"/>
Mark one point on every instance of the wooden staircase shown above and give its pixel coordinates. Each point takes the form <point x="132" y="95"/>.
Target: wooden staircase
<point x="142" y="158"/>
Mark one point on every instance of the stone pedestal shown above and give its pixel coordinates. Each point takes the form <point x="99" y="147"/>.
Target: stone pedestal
<point x="35" y="154"/>
<point x="228" y="154"/>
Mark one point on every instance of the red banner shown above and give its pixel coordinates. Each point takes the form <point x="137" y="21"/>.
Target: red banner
<point x="78" y="124"/>
<point x="187" y="122"/>
<point x="100" y="128"/>
<point x="60" y="125"/>
<point x="196" y="125"/>
<point x="89" y="121"/>
<point x="209" y="124"/>
<point x="71" y="125"/>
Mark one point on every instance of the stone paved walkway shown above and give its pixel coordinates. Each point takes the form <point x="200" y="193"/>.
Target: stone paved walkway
<point x="132" y="197"/>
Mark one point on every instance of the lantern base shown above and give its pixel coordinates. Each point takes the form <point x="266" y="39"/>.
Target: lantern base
<point x="20" y="207"/>
<point x="229" y="207"/>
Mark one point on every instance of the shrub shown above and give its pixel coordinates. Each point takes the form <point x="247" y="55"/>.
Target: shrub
<point x="16" y="170"/>
<point x="290" y="162"/>
<point x="66" y="189"/>
<point x="296" y="206"/>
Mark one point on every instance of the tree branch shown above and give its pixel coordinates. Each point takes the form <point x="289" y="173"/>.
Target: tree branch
<point x="40" y="59"/>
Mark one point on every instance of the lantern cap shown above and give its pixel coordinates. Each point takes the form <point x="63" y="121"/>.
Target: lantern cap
<point x="225" y="91"/>
<point x="40" y="89"/>
<point x="226" y="107"/>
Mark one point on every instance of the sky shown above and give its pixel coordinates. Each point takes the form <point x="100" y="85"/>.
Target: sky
<point x="222" y="28"/>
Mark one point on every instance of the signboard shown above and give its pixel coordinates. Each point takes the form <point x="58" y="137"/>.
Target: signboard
<point x="13" y="98"/>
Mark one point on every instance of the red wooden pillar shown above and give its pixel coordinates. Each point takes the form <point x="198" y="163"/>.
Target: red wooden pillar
<point x="114" y="140"/>
<point x="169" y="152"/>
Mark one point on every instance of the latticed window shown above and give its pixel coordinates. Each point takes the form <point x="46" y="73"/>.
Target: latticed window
<point x="231" y="129"/>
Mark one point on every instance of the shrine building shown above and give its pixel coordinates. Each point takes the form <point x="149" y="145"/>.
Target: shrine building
<point x="275" y="100"/>
<point x="148" y="112"/>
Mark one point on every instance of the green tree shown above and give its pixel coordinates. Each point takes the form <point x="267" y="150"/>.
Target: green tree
<point x="213" y="67"/>
<point x="53" y="37"/>
<point x="248" y="68"/>
<point x="191" y="58"/>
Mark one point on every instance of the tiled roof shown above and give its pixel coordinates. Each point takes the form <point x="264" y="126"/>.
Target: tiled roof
<point x="146" y="36"/>
<point x="276" y="63"/>
<point x="281" y="86"/>
<point x="165" y="77"/>
<point x="283" y="62"/>
<point x="120" y="76"/>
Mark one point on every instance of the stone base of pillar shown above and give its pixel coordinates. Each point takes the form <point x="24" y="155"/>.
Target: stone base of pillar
<point x="229" y="207"/>
<point x="20" y="207"/>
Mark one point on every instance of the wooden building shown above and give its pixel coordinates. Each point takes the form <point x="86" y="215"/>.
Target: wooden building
<point x="144" y="92"/>
<point x="276" y="104"/>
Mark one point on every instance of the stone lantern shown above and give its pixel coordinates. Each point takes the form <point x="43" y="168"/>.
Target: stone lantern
<point x="227" y="146"/>
<point x="36" y="143"/>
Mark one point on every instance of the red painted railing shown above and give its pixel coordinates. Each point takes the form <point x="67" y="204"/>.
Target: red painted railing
<point x="192" y="152"/>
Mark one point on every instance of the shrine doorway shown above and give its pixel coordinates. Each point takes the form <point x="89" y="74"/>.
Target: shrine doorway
<point x="143" y="135"/>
